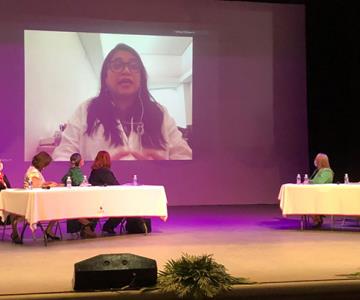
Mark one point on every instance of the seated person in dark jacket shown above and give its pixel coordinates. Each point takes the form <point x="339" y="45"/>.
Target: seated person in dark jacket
<point x="101" y="175"/>
<point x="85" y="226"/>
<point x="4" y="184"/>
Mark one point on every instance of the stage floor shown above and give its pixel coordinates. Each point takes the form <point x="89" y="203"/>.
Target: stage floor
<point x="252" y="241"/>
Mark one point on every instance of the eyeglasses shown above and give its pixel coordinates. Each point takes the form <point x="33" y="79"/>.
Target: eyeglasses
<point x="117" y="66"/>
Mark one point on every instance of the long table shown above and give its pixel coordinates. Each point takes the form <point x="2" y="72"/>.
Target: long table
<point x="320" y="199"/>
<point x="60" y="203"/>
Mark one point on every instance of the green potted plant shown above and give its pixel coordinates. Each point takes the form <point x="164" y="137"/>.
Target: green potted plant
<point x="196" y="276"/>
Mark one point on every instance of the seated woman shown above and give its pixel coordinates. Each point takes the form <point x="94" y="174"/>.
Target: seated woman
<point x="123" y="118"/>
<point x="4" y="184"/>
<point x="33" y="175"/>
<point x="101" y="175"/>
<point x="85" y="226"/>
<point x="322" y="174"/>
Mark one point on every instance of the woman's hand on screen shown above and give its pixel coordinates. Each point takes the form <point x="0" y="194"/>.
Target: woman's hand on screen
<point x="120" y="155"/>
<point x="153" y="154"/>
<point x="138" y="155"/>
<point x="145" y="154"/>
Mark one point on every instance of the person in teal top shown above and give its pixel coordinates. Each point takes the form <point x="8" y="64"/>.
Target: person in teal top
<point x="322" y="174"/>
<point x="85" y="226"/>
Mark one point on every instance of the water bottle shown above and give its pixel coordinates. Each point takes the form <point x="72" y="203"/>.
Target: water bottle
<point x="298" y="179"/>
<point x="84" y="182"/>
<point x="346" y="178"/>
<point x="135" y="180"/>
<point x="68" y="182"/>
<point x="29" y="183"/>
<point x="306" y="179"/>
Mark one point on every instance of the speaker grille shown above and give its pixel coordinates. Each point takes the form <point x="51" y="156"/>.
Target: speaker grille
<point x="113" y="271"/>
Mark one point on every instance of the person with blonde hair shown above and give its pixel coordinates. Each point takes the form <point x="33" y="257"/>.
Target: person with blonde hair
<point x="322" y="174"/>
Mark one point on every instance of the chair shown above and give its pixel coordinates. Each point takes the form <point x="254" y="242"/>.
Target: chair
<point x="75" y="227"/>
<point x="138" y="225"/>
<point x="121" y="225"/>
<point x="304" y="222"/>
<point x="5" y="226"/>
<point x="349" y="219"/>
<point x="43" y="231"/>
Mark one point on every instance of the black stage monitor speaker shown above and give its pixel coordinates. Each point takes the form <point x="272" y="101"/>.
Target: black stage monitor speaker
<point x="114" y="271"/>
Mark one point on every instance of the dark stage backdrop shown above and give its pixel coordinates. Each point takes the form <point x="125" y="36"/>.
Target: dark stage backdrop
<point x="334" y="84"/>
<point x="249" y="92"/>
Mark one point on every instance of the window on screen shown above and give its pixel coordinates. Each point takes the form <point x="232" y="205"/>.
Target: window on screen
<point x="84" y="95"/>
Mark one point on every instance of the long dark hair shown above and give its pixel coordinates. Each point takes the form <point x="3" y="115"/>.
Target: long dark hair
<point x="101" y="109"/>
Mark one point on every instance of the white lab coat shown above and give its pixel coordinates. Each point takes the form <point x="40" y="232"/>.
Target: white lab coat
<point x="74" y="139"/>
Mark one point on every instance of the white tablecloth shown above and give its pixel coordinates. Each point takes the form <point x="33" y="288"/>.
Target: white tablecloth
<point x="84" y="202"/>
<point x="320" y="199"/>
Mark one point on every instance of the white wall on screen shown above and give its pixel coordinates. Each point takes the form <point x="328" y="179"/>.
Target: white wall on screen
<point x="62" y="70"/>
<point x="58" y="77"/>
<point x="173" y="100"/>
<point x="188" y="102"/>
<point x="187" y="59"/>
<point x="162" y="70"/>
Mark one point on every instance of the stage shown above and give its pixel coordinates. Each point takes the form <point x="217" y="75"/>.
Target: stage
<point x="252" y="241"/>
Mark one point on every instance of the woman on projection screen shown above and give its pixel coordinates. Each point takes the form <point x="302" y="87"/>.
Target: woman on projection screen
<point x="123" y="119"/>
